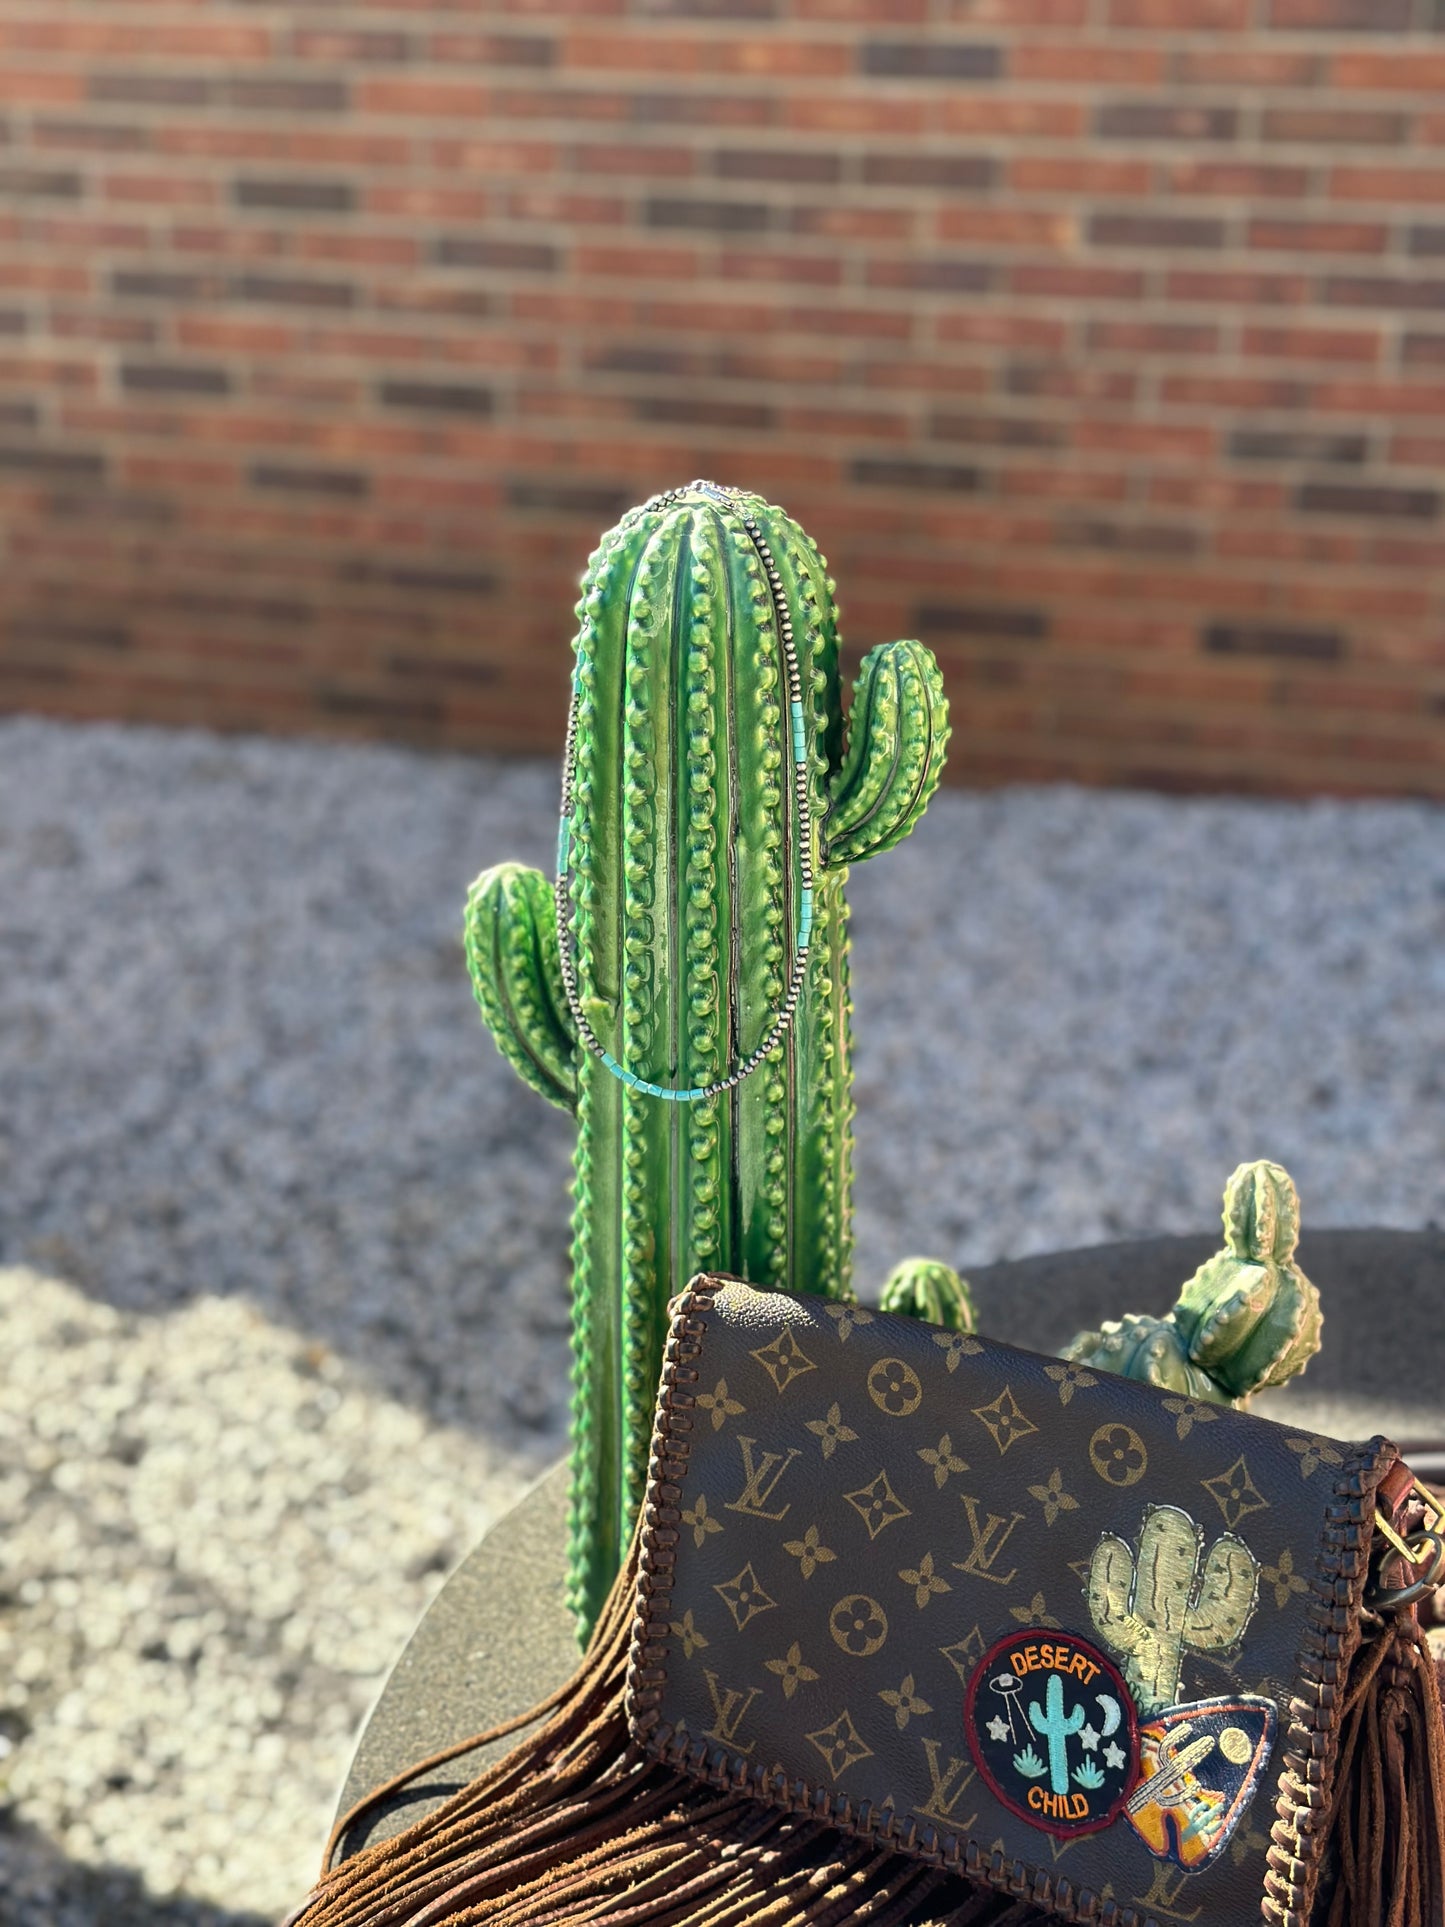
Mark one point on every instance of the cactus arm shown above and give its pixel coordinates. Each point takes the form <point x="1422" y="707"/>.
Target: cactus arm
<point x="1261" y="1213"/>
<point x="1226" y="1595"/>
<point x="924" y="1288"/>
<point x="1249" y="1316"/>
<point x="1111" y="1579"/>
<point x="1287" y="1337"/>
<point x="511" y="946"/>
<point x="897" y="737"/>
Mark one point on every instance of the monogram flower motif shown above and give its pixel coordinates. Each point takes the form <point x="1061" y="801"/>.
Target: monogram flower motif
<point x="692" y="1639"/>
<point x="943" y="1459"/>
<point x="954" y="1346"/>
<point x="1189" y="1412"/>
<point x="905" y="1702"/>
<point x="1069" y="1379"/>
<point x="859" y="1625"/>
<point x="840" y="1744"/>
<point x="791" y="1670"/>
<point x="1283" y="1578"/>
<point x="809" y="1551"/>
<point x="744" y="1597"/>
<point x="1034" y="1614"/>
<point x="1313" y="1453"/>
<point x="1118" y="1455"/>
<point x="846" y="1317"/>
<point x="720" y="1404"/>
<point x="784" y="1359"/>
<point x="1235" y="1492"/>
<point x="924" y="1581"/>
<point x="1052" y="1497"/>
<point x="831" y="1431"/>
<point x="1004" y="1420"/>
<point x="877" y="1504"/>
<point x="894" y="1387"/>
<point x="701" y="1520"/>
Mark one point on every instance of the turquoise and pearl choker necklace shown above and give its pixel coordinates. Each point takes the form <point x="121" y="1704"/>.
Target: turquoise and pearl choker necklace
<point x="785" y="1013"/>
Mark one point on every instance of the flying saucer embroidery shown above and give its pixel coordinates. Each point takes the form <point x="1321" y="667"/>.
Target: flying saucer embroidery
<point x="1052" y="1729"/>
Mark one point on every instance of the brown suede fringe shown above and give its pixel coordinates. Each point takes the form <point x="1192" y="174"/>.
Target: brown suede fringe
<point x="1385" y="1853"/>
<point x="575" y="1825"/>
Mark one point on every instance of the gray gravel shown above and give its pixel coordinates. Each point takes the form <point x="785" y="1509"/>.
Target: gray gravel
<point x="284" y="1304"/>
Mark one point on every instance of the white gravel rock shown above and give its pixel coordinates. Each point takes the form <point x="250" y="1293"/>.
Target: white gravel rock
<point x="284" y="1323"/>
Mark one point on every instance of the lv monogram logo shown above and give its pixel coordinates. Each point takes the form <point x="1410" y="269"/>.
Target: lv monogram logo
<point x="1163" y="1895"/>
<point x="730" y="1709"/>
<point x="989" y="1541"/>
<point x="760" y="1478"/>
<point x="947" y="1788"/>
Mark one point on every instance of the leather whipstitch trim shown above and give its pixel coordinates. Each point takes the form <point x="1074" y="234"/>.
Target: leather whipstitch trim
<point x="1311" y="1738"/>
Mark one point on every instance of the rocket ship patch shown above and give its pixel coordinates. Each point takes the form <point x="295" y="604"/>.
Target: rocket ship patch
<point x="1199" y="1766"/>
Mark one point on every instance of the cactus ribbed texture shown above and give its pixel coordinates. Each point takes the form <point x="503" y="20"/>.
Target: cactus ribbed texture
<point x="1248" y="1317"/>
<point x="1152" y="1608"/>
<point x="685" y="886"/>
<point x="924" y="1288"/>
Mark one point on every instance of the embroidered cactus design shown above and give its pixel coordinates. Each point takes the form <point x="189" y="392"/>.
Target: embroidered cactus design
<point x="685" y="884"/>
<point x="1050" y="1721"/>
<point x="1153" y="1607"/>
<point x="1248" y="1318"/>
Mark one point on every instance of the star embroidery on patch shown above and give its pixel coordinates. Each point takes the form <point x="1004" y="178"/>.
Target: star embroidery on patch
<point x="998" y="1729"/>
<point x="1089" y="1738"/>
<point x="1115" y="1755"/>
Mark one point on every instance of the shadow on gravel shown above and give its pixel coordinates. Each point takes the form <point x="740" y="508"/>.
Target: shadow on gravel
<point x="39" y="1887"/>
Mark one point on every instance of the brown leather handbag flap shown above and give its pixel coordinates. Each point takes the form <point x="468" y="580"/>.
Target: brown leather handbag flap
<point x="1050" y="1628"/>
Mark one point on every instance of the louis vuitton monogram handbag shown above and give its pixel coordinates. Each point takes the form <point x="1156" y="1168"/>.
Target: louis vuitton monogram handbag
<point x="918" y="1628"/>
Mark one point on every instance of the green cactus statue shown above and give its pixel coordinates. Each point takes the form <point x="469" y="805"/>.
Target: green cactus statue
<point x="690" y="1004"/>
<point x="1248" y="1318"/>
<point x="924" y="1288"/>
<point x="1153" y="1608"/>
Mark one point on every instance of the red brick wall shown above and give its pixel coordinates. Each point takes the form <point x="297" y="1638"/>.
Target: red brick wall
<point x="1099" y="342"/>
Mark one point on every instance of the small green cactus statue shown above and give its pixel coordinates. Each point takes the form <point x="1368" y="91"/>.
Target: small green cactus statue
<point x="1247" y="1319"/>
<point x="690" y="1006"/>
<point x="924" y="1288"/>
<point x="1153" y="1607"/>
